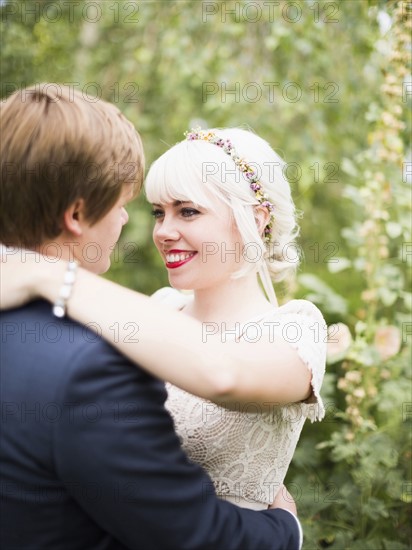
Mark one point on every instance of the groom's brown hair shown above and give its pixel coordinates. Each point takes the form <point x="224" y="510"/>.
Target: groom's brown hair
<point x="56" y="147"/>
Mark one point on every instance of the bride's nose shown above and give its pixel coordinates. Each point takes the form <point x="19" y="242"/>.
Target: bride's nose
<point x="167" y="229"/>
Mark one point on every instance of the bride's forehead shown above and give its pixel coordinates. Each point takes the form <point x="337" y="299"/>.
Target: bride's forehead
<point x="176" y="197"/>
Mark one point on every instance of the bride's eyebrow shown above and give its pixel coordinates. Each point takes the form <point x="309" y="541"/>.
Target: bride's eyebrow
<point x="175" y="204"/>
<point x="179" y="203"/>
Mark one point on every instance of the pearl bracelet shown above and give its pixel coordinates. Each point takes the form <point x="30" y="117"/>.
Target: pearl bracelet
<point x="60" y="305"/>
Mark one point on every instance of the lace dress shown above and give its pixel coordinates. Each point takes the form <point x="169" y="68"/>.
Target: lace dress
<point x="247" y="452"/>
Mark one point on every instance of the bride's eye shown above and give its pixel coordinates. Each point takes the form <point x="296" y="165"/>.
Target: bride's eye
<point x="157" y="213"/>
<point x="189" y="212"/>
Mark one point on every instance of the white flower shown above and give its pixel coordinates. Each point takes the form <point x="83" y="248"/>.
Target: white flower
<point x="339" y="341"/>
<point x="387" y="341"/>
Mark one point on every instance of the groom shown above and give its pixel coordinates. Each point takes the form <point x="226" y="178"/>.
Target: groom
<point x="88" y="455"/>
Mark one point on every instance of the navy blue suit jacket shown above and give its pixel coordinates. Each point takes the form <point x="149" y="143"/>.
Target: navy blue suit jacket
<point x="89" y="458"/>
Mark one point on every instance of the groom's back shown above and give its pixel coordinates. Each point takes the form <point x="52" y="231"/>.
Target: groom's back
<point x="40" y="356"/>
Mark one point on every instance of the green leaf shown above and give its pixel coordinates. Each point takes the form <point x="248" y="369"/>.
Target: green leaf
<point x="339" y="264"/>
<point x="349" y="167"/>
<point x="323" y="295"/>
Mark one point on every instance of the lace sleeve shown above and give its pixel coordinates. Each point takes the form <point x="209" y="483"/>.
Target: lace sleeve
<point x="301" y="324"/>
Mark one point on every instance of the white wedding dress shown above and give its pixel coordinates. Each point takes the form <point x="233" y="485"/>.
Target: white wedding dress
<point x="247" y="452"/>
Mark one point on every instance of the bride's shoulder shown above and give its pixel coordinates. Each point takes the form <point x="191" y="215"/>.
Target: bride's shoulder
<point x="171" y="297"/>
<point x="301" y="307"/>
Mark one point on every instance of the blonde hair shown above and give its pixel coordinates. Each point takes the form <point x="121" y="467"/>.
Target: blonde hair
<point x="199" y="171"/>
<point x="57" y="147"/>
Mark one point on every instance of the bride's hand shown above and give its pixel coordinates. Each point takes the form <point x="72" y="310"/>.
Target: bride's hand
<point x="20" y="274"/>
<point x="284" y="500"/>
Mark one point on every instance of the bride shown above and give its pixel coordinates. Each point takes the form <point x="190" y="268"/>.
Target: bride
<point x="244" y="373"/>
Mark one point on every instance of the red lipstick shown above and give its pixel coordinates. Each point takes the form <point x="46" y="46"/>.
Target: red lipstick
<point x="179" y="263"/>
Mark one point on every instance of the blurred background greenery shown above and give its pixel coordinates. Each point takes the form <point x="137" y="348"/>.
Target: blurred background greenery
<point x="328" y="84"/>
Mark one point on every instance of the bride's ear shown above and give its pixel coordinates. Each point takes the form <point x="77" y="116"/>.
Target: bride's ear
<point x="262" y="217"/>
<point x="74" y="218"/>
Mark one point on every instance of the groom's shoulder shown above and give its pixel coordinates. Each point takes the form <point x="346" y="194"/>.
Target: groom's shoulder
<point x="33" y="334"/>
<point x="50" y="357"/>
<point x="35" y="327"/>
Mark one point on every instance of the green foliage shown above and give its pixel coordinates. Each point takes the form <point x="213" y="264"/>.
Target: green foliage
<point x="323" y="84"/>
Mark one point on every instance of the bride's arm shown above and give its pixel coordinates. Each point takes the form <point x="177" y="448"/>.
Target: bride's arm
<point x="170" y="345"/>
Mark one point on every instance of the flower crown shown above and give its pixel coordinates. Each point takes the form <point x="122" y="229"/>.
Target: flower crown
<point x="243" y="165"/>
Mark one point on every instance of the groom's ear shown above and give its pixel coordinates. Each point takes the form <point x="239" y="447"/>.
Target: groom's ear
<point x="74" y="218"/>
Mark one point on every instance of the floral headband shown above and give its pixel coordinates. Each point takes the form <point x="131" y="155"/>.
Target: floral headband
<point x="242" y="164"/>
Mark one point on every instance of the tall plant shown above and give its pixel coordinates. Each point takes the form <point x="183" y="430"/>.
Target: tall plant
<point x="362" y="496"/>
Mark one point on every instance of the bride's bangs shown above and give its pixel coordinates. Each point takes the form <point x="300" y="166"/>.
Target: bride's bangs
<point x="178" y="176"/>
